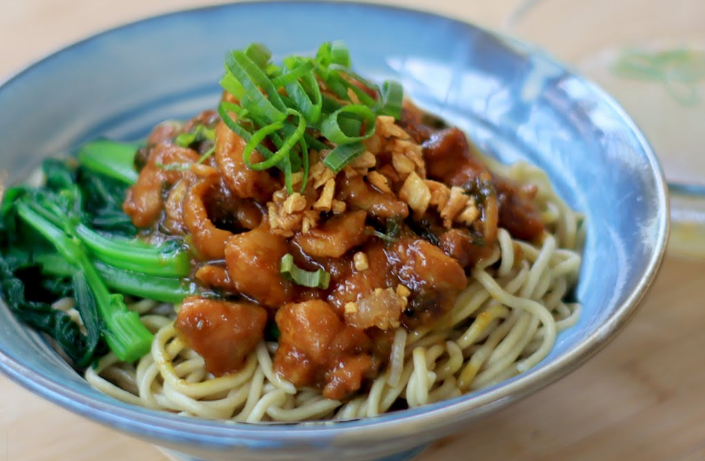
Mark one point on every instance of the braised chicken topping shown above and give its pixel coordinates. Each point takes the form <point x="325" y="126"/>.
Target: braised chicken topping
<point x="383" y="240"/>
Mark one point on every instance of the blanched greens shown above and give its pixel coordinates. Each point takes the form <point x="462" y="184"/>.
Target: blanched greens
<point x="70" y="238"/>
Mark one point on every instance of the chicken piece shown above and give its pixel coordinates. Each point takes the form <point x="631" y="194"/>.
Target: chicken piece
<point x="174" y="207"/>
<point x="517" y="211"/>
<point x="453" y="161"/>
<point x="335" y="237"/>
<point x="311" y="327"/>
<point x="412" y="121"/>
<point x="207" y="118"/>
<point x="144" y="203"/>
<point x="361" y="196"/>
<point x="164" y="133"/>
<point x="242" y="181"/>
<point x="461" y="246"/>
<point x="434" y="279"/>
<point x="351" y="284"/>
<point x="215" y="277"/>
<point x="248" y="215"/>
<point x="347" y="375"/>
<point x="207" y="239"/>
<point x="317" y="349"/>
<point x="223" y="333"/>
<point x="253" y="260"/>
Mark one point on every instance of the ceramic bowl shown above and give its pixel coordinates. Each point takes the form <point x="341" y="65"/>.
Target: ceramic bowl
<point x="513" y="100"/>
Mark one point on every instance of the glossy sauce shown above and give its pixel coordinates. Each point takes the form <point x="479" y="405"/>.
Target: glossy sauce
<point x="335" y="338"/>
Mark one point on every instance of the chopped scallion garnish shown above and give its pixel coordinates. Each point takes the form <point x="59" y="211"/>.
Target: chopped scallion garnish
<point x="339" y="157"/>
<point x="339" y="54"/>
<point x="259" y="54"/>
<point x="289" y="270"/>
<point x="201" y="133"/>
<point x="297" y="69"/>
<point x="332" y="129"/>
<point x="253" y="80"/>
<point x="285" y="106"/>
<point x="392" y="98"/>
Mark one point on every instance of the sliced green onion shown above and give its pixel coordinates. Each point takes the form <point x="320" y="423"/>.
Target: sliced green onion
<point x="283" y="151"/>
<point x="304" y="156"/>
<point x="294" y="73"/>
<point x="393" y="231"/>
<point x="252" y="78"/>
<point x="352" y="76"/>
<point x="341" y="156"/>
<point x="263" y="111"/>
<point x="185" y="139"/>
<point x="289" y="270"/>
<point x="232" y="86"/>
<point x="273" y="70"/>
<point x="392" y="98"/>
<point x="385" y="237"/>
<point x="323" y="59"/>
<point x="288" y="131"/>
<point x="240" y="111"/>
<point x="306" y="94"/>
<point x="259" y="54"/>
<point x="335" y="132"/>
<point x="330" y="104"/>
<point x="314" y="143"/>
<point x="257" y="138"/>
<point x="339" y="54"/>
<point x="199" y="134"/>
<point x="206" y="155"/>
<point x="350" y="124"/>
<point x="288" y="179"/>
<point x="239" y="130"/>
<point x="223" y="109"/>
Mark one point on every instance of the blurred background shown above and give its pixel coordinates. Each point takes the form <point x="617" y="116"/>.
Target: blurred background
<point x="641" y="399"/>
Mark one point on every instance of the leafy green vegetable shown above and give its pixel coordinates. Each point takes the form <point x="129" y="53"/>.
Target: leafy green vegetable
<point x="110" y="158"/>
<point x="53" y="230"/>
<point x="102" y="203"/>
<point x="163" y="289"/>
<point x="38" y="313"/>
<point x="169" y="259"/>
<point x="87" y="308"/>
<point x="124" y="333"/>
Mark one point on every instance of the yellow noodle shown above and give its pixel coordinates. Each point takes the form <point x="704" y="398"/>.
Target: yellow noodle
<point x="397" y="356"/>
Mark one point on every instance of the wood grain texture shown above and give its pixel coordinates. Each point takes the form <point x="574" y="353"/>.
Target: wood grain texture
<point x="640" y="399"/>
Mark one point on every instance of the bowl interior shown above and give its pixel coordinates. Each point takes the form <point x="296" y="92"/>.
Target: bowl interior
<point x="516" y="103"/>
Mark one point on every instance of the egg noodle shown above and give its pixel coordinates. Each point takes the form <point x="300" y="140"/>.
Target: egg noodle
<point x="504" y="323"/>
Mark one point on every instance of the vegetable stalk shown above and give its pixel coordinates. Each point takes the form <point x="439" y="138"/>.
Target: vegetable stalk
<point x="124" y="333"/>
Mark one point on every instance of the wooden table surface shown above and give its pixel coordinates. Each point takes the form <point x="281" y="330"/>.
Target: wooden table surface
<point x="642" y="398"/>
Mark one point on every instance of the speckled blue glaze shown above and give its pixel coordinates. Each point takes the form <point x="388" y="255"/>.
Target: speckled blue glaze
<point x="514" y="101"/>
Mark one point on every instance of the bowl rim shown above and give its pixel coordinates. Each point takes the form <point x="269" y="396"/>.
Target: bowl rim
<point x="168" y="427"/>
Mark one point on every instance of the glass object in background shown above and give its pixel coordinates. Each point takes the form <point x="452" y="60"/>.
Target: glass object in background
<point x="649" y="55"/>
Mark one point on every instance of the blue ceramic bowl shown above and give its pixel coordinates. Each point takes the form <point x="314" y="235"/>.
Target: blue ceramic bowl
<point x="509" y="97"/>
